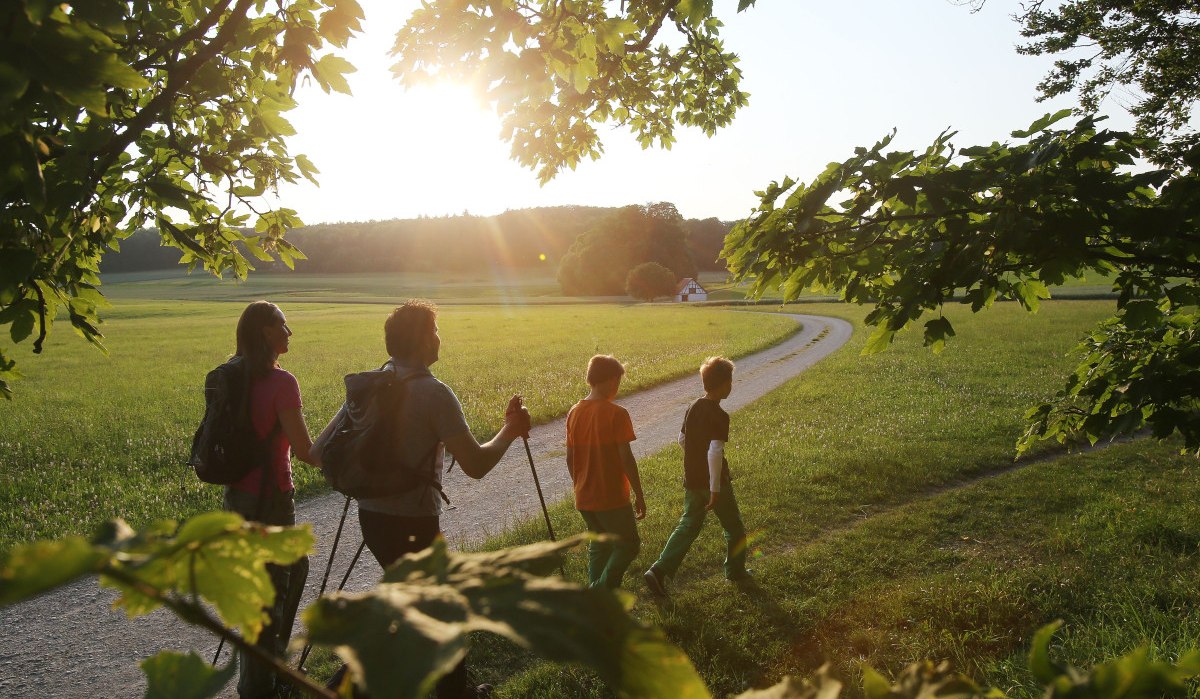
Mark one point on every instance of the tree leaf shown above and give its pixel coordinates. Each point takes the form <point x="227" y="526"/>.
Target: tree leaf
<point x="936" y="332"/>
<point x="111" y="71"/>
<point x="879" y="340"/>
<point x="171" y="675"/>
<point x="424" y="624"/>
<point x="1141" y="314"/>
<point x="220" y="558"/>
<point x="1043" y="668"/>
<point x="307" y="168"/>
<point x="330" y="73"/>
<point x="29" y="569"/>
<point x="874" y="684"/>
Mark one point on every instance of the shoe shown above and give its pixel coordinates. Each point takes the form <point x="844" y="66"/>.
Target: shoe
<point x="657" y="583"/>
<point x="484" y="690"/>
<point x="746" y="575"/>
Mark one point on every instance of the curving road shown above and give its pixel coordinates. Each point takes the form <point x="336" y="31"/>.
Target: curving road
<point x="70" y="643"/>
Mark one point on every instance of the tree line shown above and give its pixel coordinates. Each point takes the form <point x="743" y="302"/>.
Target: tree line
<point x="514" y="240"/>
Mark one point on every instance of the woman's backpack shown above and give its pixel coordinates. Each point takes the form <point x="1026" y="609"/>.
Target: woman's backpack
<point x="225" y="447"/>
<point x="361" y="457"/>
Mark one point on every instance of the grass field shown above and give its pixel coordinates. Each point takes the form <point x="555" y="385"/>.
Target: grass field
<point x="531" y="286"/>
<point x="487" y="287"/>
<point x="878" y="536"/>
<point x="90" y="438"/>
<point x="1092" y="285"/>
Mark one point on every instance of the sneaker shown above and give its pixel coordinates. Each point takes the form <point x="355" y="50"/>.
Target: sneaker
<point x="657" y="583"/>
<point x="484" y="690"/>
<point x="746" y="575"/>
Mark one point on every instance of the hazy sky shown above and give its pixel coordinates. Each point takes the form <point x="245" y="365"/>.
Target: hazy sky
<point x="823" y="77"/>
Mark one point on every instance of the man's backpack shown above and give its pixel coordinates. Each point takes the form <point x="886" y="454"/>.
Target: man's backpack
<point x="225" y="447"/>
<point x="361" y="457"/>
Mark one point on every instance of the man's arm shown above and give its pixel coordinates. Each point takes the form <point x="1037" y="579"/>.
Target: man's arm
<point x="478" y="459"/>
<point x="635" y="480"/>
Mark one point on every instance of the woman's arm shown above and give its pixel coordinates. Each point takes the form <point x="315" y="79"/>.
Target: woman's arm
<point x="292" y="421"/>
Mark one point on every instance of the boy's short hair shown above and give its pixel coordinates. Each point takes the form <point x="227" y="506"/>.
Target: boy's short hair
<point x="603" y="367"/>
<point x="715" y="371"/>
<point x="407" y="326"/>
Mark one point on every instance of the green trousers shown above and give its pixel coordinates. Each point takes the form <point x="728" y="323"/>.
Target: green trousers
<point x="608" y="560"/>
<point x="680" y="541"/>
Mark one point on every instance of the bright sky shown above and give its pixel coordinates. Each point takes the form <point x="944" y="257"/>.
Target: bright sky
<point x="823" y="77"/>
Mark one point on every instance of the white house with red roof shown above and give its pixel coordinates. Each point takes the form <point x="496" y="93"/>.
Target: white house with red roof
<point x="690" y="290"/>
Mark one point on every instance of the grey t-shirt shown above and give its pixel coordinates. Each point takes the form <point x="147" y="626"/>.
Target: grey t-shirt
<point x="429" y="415"/>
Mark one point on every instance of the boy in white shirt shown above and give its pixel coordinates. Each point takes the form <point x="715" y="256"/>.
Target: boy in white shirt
<point x="706" y="481"/>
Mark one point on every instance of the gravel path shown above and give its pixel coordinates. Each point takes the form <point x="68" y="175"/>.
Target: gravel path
<point x="70" y="643"/>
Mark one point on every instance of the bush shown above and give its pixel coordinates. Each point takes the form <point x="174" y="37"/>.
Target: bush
<point x="650" y="280"/>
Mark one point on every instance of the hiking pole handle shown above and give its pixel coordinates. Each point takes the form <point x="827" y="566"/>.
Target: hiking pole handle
<point x="545" y="513"/>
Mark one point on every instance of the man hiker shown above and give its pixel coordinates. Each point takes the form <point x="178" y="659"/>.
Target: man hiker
<point x="428" y="421"/>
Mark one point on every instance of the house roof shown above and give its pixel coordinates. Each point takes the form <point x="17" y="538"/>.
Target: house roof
<point x="684" y="282"/>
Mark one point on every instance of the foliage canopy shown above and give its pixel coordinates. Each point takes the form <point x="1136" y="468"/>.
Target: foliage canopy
<point x="115" y="115"/>
<point x="556" y="69"/>
<point x="909" y="231"/>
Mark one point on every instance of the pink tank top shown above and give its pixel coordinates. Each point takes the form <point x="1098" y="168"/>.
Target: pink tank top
<point x="269" y="396"/>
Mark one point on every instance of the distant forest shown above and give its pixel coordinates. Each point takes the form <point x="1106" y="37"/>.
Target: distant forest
<point x="513" y="240"/>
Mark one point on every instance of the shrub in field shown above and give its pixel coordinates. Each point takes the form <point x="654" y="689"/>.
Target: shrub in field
<point x="650" y="280"/>
<point x="428" y="603"/>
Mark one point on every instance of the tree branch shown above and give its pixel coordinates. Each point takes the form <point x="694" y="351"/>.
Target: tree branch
<point x="196" y="614"/>
<point x="651" y="32"/>
<point x="37" y="344"/>
<point x="183" y="39"/>
<point x="175" y="82"/>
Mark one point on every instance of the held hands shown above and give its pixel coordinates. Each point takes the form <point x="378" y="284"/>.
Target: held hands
<point x="516" y="419"/>
<point x="712" y="501"/>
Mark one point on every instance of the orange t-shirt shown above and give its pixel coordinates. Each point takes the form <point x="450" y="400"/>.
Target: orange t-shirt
<point x="596" y="429"/>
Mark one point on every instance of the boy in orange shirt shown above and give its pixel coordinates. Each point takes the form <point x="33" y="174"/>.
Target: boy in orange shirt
<point x="603" y="470"/>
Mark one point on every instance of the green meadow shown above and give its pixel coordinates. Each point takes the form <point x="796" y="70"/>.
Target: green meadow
<point x="500" y="286"/>
<point x="889" y="525"/>
<point x="90" y="437"/>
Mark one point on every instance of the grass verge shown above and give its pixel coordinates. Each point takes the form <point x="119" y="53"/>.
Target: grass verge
<point x="879" y="537"/>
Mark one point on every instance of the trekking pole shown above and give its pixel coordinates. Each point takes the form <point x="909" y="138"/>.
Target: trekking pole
<point x="349" y="570"/>
<point x="328" y="567"/>
<point x="545" y="513"/>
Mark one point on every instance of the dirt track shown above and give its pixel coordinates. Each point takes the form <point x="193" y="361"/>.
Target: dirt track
<point x="70" y="643"/>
